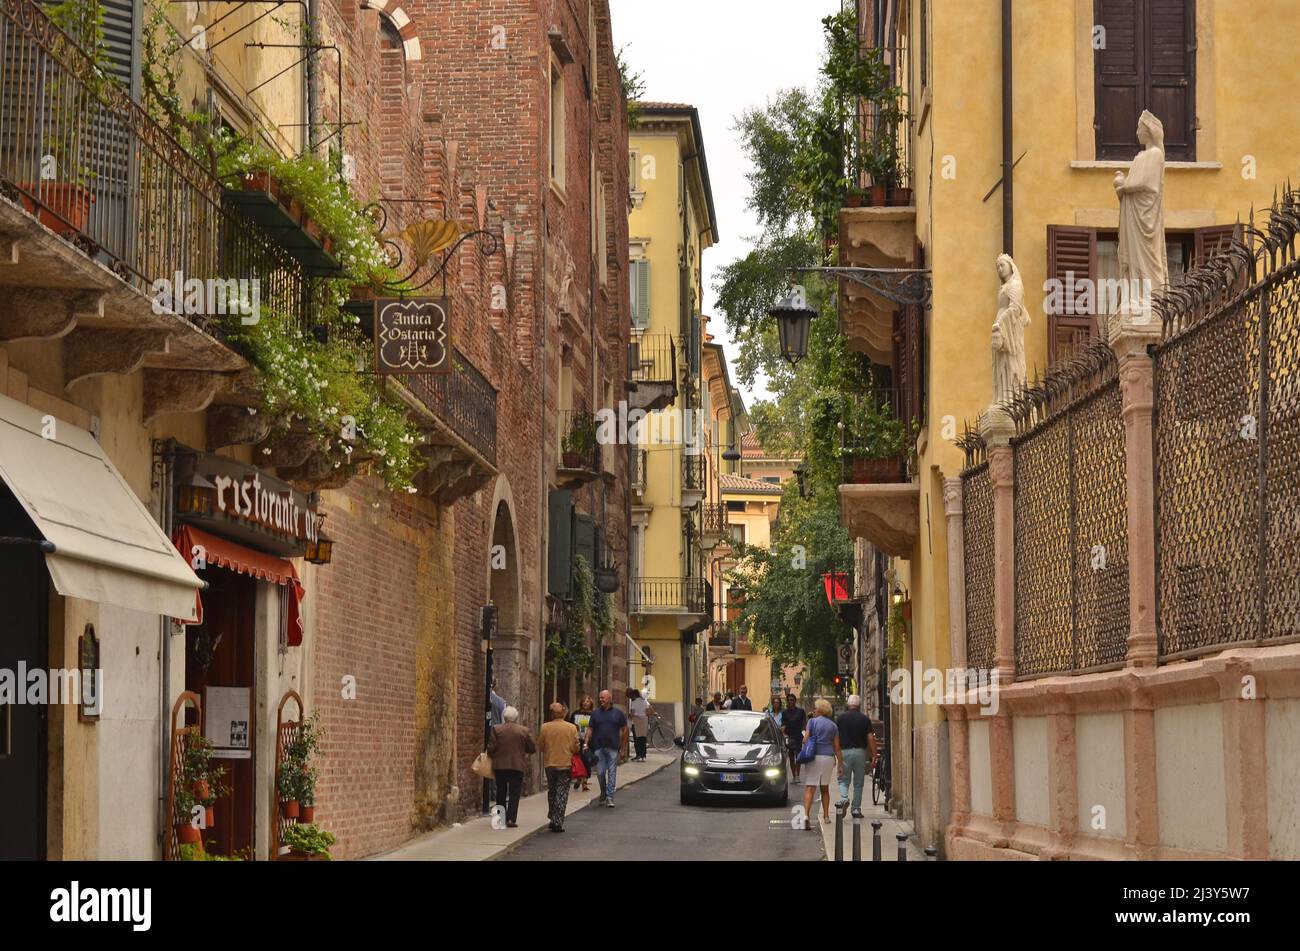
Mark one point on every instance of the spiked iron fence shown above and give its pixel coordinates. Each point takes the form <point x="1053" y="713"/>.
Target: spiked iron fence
<point x="1227" y="445"/>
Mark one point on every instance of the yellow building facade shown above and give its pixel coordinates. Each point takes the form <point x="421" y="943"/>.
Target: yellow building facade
<point x="1226" y="143"/>
<point x="671" y="224"/>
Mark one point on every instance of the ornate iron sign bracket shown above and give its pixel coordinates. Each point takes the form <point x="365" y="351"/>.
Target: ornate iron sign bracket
<point x="903" y="286"/>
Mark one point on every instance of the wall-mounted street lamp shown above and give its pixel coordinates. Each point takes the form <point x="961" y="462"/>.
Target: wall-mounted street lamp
<point x="793" y="320"/>
<point x="195" y="497"/>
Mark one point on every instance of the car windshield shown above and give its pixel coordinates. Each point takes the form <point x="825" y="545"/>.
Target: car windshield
<point x="733" y="729"/>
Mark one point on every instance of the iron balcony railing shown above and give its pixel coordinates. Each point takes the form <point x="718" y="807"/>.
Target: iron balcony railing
<point x="692" y="472"/>
<point x="722" y="635"/>
<point x="666" y="595"/>
<point x="579" y="449"/>
<point x="713" y="518"/>
<point x="652" y="358"/>
<point x="79" y="153"/>
<point x="464" y="400"/>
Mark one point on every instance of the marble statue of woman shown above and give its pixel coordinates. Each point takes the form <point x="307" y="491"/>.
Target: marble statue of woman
<point x="1142" y="264"/>
<point x="1009" y="331"/>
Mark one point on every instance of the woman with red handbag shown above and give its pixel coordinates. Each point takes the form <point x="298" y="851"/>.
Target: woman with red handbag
<point x="582" y="719"/>
<point x="558" y="743"/>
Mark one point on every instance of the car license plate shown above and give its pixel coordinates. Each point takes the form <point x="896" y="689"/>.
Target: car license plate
<point x="732" y="777"/>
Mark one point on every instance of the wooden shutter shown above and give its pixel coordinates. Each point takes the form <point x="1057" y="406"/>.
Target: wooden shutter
<point x="1071" y="257"/>
<point x="1149" y="62"/>
<point x="1118" y="72"/>
<point x="1211" y="239"/>
<point x="120" y="40"/>
<point x="559" y="551"/>
<point x="1170" y="73"/>
<point x="641" y="294"/>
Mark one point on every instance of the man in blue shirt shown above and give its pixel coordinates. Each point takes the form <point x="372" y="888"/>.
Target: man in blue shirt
<point x="606" y="735"/>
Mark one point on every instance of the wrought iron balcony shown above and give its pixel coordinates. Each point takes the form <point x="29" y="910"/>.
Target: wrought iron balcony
<point x="95" y="168"/>
<point x="651" y="371"/>
<point x="723" y="636"/>
<point x="464" y="400"/>
<point x="668" y="596"/>
<point x="713" y="519"/>
<point x="692" y="477"/>
<point x="579" y="450"/>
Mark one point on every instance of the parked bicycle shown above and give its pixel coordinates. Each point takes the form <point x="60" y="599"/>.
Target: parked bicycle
<point x="879" y="786"/>
<point x="659" y="733"/>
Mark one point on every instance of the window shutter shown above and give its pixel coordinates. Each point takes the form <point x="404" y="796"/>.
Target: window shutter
<point x="1209" y="240"/>
<point x="641" y="294"/>
<point x="1071" y="257"/>
<point x="1118" y="71"/>
<point x="1171" y="67"/>
<point x="559" y="552"/>
<point x="1149" y="62"/>
<point x="120" y="39"/>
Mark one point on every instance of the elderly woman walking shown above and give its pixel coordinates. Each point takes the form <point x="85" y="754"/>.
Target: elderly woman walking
<point x="821" y="771"/>
<point x="510" y="746"/>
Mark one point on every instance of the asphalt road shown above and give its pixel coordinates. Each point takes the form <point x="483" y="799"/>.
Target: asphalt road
<point x="650" y="823"/>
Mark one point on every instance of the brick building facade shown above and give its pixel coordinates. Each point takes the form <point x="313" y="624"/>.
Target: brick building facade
<point x="454" y="108"/>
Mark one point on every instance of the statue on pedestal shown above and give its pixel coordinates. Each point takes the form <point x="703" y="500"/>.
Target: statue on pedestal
<point x="1009" y="332"/>
<point x="1143" y="267"/>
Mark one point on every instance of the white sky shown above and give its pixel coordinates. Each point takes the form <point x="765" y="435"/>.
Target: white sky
<point x="722" y="56"/>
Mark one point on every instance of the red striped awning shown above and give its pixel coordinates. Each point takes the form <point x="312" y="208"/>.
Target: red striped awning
<point x="192" y="542"/>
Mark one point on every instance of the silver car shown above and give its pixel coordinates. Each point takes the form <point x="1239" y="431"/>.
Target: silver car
<point x="734" y="753"/>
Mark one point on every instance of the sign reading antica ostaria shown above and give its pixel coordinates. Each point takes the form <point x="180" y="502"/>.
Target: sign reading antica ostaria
<point x="413" y="335"/>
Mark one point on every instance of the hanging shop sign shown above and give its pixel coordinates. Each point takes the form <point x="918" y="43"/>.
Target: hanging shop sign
<point x="244" y="504"/>
<point x="413" y="335"/>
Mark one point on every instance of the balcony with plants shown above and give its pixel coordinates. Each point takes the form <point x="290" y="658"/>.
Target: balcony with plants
<point x="878" y="499"/>
<point x="579" y="461"/>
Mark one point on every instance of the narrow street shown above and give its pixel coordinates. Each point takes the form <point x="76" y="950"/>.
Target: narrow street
<point x="651" y="823"/>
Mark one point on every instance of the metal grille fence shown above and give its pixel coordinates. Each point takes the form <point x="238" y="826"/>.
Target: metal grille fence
<point x="977" y="531"/>
<point x="1227" y="447"/>
<point x="1071" y="518"/>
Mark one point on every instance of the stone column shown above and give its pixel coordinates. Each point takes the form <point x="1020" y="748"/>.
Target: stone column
<point x="1129" y="340"/>
<point x="1142" y="809"/>
<point x="1245" y="762"/>
<point x="952" y="509"/>
<point x="997" y="429"/>
<point x="1062" y="776"/>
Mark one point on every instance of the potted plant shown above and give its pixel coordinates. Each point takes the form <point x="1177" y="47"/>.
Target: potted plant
<point x="579" y="444"/>
<point x="607" y="579"/>
<point x="290" y="784"/>
<point x="306" y="842"/>
<point x="199" y="784"/>
<point x="307" y="796"/>
<point x="63" y="191"/>
<point x="875" y="444"/>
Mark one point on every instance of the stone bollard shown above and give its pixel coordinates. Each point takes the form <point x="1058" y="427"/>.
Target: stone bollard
<point x="931" y="853"/>
<point x="875" y="839"/>
<point x="839" y="836"/>
<point x="902" y="846"/>
<point x="857" y="841"/>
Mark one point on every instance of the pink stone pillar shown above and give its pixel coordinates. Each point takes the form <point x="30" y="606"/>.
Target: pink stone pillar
<point x="1245" y="763"/>
<point x="953" y="509"/>
<point x="1142" y="810"/>
<point x="1002" y="475"/>
<point x="1062" y="776"/>
<point x="1136" y="379"/>
<point x="1002" y="769"/>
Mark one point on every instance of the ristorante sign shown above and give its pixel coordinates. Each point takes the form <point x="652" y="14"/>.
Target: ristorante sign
<point x="248" y="505"/>
<point x="413" y="335"/>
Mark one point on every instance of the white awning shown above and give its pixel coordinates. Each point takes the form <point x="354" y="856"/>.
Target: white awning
<point x="107" y="547"/>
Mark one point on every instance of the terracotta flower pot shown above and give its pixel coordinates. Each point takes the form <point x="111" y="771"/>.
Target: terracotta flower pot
<point x="186" y="834"/>
<point x="64" y="206"/>
<point x="209" y="817"/>
<point x="308" y="815"/>
<point x="289" y="808"/>
<point x="853" y="201"/>
<point x="260" y="180"/>
<point x="879" y="196"/>
<point x="573" y="460"/>
<point x="900" y="196"/>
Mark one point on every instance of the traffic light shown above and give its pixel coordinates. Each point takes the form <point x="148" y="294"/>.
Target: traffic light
<point x="839" y="684"/>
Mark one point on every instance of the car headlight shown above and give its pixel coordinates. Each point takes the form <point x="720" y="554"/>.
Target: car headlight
<point x="692" y="758"/>
<point x="691" y="771"/>
<point x="773" y="759"/>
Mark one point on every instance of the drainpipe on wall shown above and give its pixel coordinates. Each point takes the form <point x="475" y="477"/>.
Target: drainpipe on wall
<point x="1008" y="216"/>
<point x="312" y="81"/>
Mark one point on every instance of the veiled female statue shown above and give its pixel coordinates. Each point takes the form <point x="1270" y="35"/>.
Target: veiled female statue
<point x="1142" y="264"/>
<point x="1009" y="331"/>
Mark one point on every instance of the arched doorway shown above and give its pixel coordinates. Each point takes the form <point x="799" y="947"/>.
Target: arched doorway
<point x="503" y="561"/>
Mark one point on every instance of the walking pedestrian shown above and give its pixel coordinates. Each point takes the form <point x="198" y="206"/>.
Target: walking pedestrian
<point x="510" y="746"/>
<point x="793" y="720"/>
<point x="821" y="772"/>
<point x="582" y="720"/>
<point x="774" y="710"/>
<point x="726" y="704"/>
<point x="558" y="743"/>
<point x="696" y="709"/>
<point x="715" y="703"/>
<point x="857" y="749"/>
<point x="495" y="718"/>
<point x="742" y="702"/>
<point x="639" y="709"/>
<point x="606" y="735"/>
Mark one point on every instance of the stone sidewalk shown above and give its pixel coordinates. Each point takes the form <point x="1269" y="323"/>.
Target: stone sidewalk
<point x="889" y="829"/>
<point x="476" y="840"/>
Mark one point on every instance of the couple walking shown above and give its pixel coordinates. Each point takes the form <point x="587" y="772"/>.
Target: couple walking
<point x="510" y="745"/>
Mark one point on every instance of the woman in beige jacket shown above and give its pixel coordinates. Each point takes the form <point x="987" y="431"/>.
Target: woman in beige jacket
<point x="558" y="743"/>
